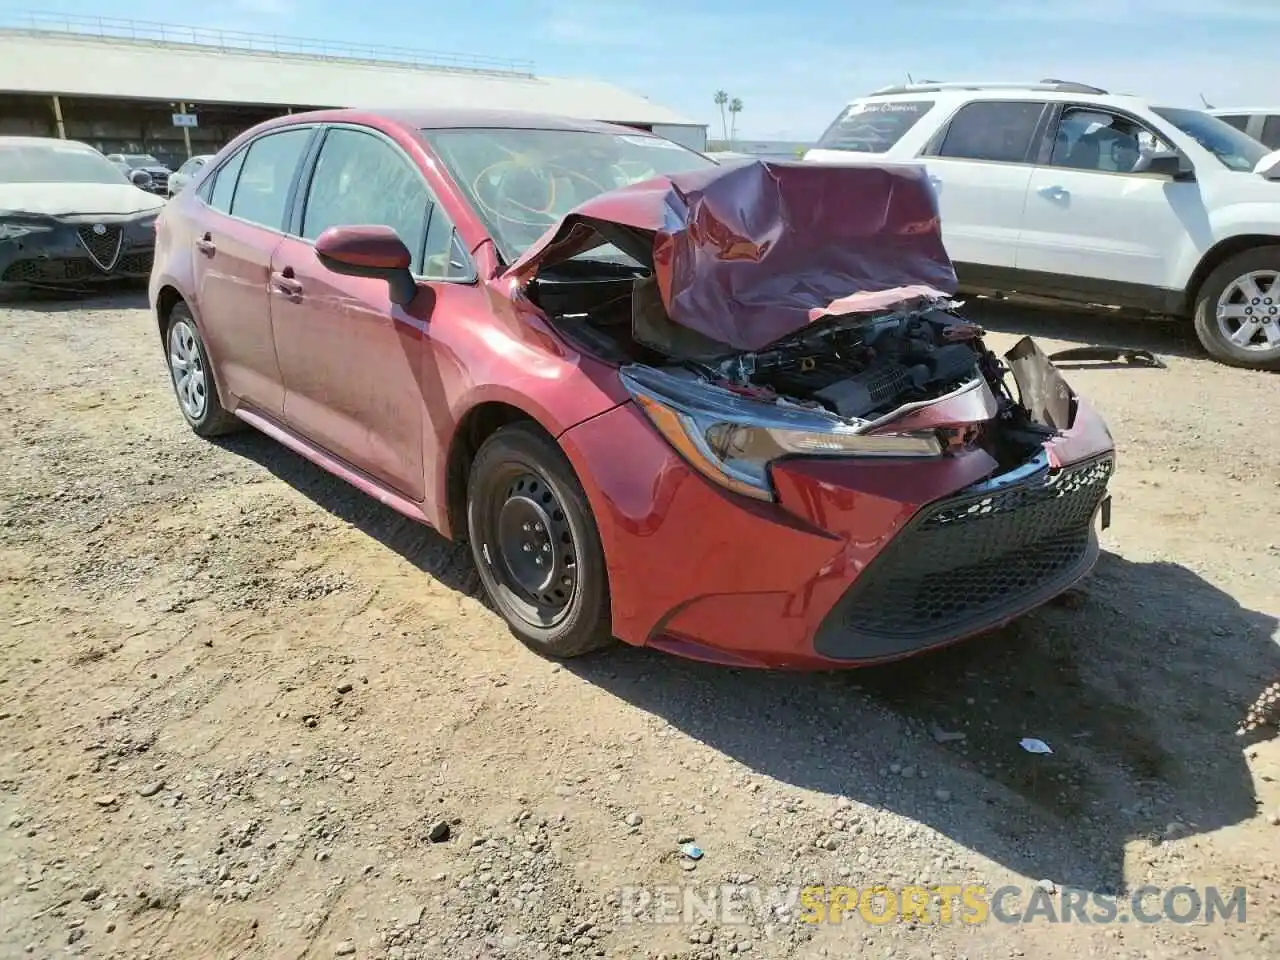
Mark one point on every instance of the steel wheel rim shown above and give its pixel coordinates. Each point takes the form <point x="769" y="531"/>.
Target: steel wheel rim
<point x="537" y="554"/>
<point x="187" y="367"/>
<point x="1248" y="312"/>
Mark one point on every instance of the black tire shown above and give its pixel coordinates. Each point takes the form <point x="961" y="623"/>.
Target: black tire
<point x="517" y="472"/>
<point x="1211" y="335"/>
<point x="210" y="419"/>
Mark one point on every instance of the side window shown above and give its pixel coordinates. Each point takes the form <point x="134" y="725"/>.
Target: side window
<point x="873" y="126"/>
<point x="361" y="179"/>
<point x="1240" y="122"/>
<point x="266" y="176"/>
<point x="1271" y="132"/>
<point x="224" y="183"/>
<point x="992" y="130"/>
<point x="443" y="257"/>
<point x="1104" y="142"/>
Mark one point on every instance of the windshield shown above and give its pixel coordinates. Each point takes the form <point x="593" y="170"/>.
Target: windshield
<point x="1234" y="149"/>
<point x="37" y="163"/>
<point x="523" y="181"/>
<point x="137" y="160"/>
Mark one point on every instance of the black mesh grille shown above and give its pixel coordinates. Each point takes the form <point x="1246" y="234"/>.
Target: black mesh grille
<point x="135" y="263"/>
<point x="50" y="271"/>
<point x="102" y="240"/>
<point x="970" y="561"/>
<point x="74" y="269"/>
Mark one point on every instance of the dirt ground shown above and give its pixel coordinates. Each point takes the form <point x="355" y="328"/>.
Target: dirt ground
<point x="238" y="700"/>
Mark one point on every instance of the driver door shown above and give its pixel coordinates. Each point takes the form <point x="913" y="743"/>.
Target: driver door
<point x="352" y="362"/>
<point x="1091" y="218"/>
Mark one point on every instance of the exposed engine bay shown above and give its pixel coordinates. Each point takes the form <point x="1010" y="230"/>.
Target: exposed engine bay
<point x="865" y="369"/>
<point x="857" y="367"/>
<point x="860" y="368"/>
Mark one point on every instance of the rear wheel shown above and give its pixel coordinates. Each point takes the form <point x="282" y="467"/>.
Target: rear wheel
<point x="192" y="377"/>
<point x="536" y="544"/>
<point x="1237" y="311"/>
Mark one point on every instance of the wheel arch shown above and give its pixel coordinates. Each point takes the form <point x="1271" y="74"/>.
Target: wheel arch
<point x="167" y="298"/>
<point x="1217" y="255"/>
<point x="476" y="426"/>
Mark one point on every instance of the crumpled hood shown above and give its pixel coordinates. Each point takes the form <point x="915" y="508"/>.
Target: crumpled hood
<point x="750" y="253"/>
<point x="67" y="199"/>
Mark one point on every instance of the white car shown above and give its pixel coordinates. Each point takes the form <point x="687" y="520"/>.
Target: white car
<point x="187" y="172"/>
<point x="1261" y="123"/>
<point x="1064" y="191"/>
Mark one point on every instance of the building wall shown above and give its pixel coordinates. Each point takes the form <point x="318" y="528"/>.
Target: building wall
<point x="131" y="126"/>
<point x="146" y="126"/>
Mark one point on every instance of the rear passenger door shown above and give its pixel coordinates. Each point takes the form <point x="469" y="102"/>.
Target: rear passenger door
<point x="980" y="164"/>
<point x="245" y="205"/>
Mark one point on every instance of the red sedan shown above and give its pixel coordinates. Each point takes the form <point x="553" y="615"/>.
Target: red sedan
<point x="725" y="411"/>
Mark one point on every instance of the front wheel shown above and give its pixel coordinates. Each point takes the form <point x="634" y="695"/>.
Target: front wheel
<point x="536" y="544"/>
<point x="1237" y="310"/>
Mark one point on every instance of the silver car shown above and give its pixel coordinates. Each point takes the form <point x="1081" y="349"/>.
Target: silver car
<point x="187" y="172"/>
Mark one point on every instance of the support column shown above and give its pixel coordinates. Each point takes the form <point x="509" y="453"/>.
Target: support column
<point x="57" y="116"/>
<point x="186" y="131"/>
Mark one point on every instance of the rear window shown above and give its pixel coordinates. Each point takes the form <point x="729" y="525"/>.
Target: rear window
<point x="873" y="126"/>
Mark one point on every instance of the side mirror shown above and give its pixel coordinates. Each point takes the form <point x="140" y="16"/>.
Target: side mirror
<point x="141" y="179"/>
<point x="1269" y="166"/>
<point x="1171" y="165"/>
<point x="369" y="251"/>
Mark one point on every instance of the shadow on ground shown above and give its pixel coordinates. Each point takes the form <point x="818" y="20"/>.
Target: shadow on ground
<point x="1168" y="337"/>
<point x="1138" y="685"/>
<point x="121" y="295"/>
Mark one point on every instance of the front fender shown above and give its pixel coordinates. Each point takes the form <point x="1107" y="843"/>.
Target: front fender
<point x="1227" y="226"/>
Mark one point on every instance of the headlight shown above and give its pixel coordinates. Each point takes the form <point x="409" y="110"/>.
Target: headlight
<point x="12" y="231"/>
<point x="732" y="439"/>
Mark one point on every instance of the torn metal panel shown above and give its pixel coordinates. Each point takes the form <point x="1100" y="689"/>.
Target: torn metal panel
<point x="1041" y="388"/>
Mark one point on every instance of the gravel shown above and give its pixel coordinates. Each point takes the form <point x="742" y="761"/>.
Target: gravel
<point x="255" y="713"/>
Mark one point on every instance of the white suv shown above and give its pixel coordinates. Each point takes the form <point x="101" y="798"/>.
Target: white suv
<point x="1063" y="191"/>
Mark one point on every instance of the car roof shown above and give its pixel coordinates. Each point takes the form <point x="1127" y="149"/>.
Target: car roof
<point x="43" y="142"/>
<point x="961" y="91"/>
<point x="443" y="118"/>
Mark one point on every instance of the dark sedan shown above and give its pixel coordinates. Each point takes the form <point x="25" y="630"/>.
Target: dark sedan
<point x="69" y="219"/>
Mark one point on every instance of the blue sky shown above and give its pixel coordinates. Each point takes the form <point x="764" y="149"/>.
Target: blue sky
<point x="795" y="63"/>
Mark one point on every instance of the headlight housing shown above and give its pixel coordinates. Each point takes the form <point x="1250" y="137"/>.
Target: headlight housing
<point x="15" y="224"/>
<point x="733" y="440"/>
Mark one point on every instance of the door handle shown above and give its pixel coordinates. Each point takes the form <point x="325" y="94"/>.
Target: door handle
<point x="206" y="245"/>
<point x="935" y="182"/>
<point x="285" y="282"/>
<point x="1054" y="192"/>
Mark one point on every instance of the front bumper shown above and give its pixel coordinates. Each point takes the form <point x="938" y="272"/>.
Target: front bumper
<point x="73" y="254"/>
<point x="857" y="562"/>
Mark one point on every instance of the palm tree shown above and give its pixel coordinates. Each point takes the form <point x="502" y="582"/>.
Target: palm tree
<point x="735" y="108"/>
<point x="721" y="99"/>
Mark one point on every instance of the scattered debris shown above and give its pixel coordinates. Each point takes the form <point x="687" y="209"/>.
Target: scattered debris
<point x="946" y="736"/>
<point x="1032" y="745"/>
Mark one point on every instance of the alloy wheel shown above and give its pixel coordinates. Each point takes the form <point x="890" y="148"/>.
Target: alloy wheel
<point x="1248" y="312"/>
